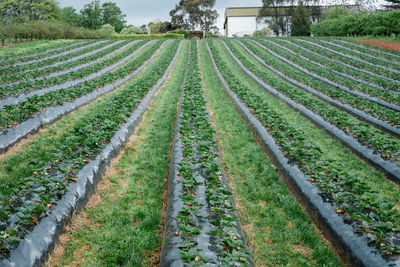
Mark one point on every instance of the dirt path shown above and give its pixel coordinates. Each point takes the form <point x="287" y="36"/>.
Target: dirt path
<point x="382" y="43"/>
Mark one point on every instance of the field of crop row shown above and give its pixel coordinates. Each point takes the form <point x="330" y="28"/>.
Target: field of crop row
<point x="276" y="151"/>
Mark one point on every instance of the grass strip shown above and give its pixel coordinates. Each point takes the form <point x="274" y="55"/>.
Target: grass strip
<point x="124" y="228"/>
<point x="370" y="212"/>
<point x="384" y="144"/>
<point x="277" y="230"/>
<point x="368" y="83"/>
<point x="64" y="54"/>
<point x="319" y="48"/>
<point x="13" y="114"/>
<point x="44" y="175"/>
<point x="376" y="110"/>
<point x="26" y="51"/>
<point x="62" y="66"/>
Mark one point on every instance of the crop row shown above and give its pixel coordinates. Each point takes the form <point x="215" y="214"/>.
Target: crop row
<point x="352" y="198"/>
<point x="57" y="111"/>
<point x="390" y="64"/>
<point x="71" y="78"/>
<point x="42" y="51"/>
<point x="43" y="62"/>
<point x="29" y="196"/>
<point x="358" y="48"/>
<point x="278" y="62"/>
<point x="385" y="151"/>
<point x="205" y="224"/>
<point x="337" y="65"/>
<point x="318" y="72"/>
<point x="357" y="82"/>
<point x="331" y="53"/>
<point x="367" y="48"/>
<point x="67" y="65"/>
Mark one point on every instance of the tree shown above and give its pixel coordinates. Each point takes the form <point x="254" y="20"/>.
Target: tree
<point x="264" y="32"/>
<point x="108" y="30"/>
<point x="112" y="14"/>
<point x="91" y="15"/>
<point x="69" y="15"/>
<point x="192" y="14"/>
<point x="154" y="26"/>
<point x="144" y="29"/>
<point x="301" y="25"/>
<point x="21" y="11"/>
<point x="44" y="10"/>
<point x="335" y="12"/>
<point x="271" y="9"/>
<point x="131" y="30"/>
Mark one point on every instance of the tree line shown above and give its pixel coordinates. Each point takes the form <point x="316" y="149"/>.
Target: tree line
<point x="44" y="19"/>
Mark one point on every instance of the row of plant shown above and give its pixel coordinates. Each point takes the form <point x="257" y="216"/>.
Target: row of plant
<point x="367" y="77"/>
<point x="350" y="195"/>
<point x="12" y="115"/>
<point x="358" y="48"/>
<point x="199" y="168"/>
<point x="140" y="188"/>
<point x="384" y="144"/>
<point x="278" y="230"/>
<point x="151" y="36"/>
<point x="376" y="110"/>
<point x="62" y="66"/>
<point x="391" y="65"/>
<point x="351" y="83"/>
<point x="41" y="51"/>
<point x="69" y="54"/>
<point x="34" y="85"/>
<point x="370" y="47"/>
<point x="320" y="49"/>
<point x="350" y="86"/>
<point x="30" y="191"/>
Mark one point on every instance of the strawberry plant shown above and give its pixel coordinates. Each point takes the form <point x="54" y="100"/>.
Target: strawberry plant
<point x="9" y="58"/>
<point x="50" y="60"/>
<point x="35" y="104"/>
<point x="206" y="198"/>
<point x="350" y="195"/>
<point x="93" y="54"/>
<point x="26" y="199"/>
<point x="376" y="110"/>
<point x="45" y="83"/>
<point x="381" y="142"/>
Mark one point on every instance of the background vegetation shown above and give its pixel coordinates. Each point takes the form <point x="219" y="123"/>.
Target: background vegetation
<point x="385" y="23"/>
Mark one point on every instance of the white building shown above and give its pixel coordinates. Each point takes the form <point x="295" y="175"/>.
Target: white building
<point x="240" y="21"/>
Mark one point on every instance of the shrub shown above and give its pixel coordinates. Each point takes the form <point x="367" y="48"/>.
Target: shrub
<point x="184" y="32"/>
<point x="384" y="23"/>
<point x="155" y="35"/>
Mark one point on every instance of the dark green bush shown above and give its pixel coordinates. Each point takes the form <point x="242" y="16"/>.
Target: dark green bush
<point x="384" y="23"/>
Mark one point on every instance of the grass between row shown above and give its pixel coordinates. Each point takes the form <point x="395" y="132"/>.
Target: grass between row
<point x="278" y="231"/>
<point x="27" y="48"/>
<point x="331" y="148"/>
<point x="124" y="226"/>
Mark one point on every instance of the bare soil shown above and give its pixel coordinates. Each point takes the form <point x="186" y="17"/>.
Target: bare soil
<point x="382" y="43"/>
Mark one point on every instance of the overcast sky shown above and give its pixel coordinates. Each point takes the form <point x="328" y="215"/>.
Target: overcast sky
<point x="142" y="12"/>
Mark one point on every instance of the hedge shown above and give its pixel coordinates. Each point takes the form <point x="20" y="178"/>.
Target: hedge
<point x="39" y="30"/>
<point x="143" y="36"/>
<point x="384" y="23"/>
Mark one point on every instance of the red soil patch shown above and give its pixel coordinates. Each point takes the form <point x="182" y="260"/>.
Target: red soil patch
<point x="381" y="43"/>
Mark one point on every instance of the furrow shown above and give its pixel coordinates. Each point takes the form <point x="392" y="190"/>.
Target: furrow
<point x="24" y="97"/>
<point x="51" y="114"/>
<point x="391" y="169"/>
